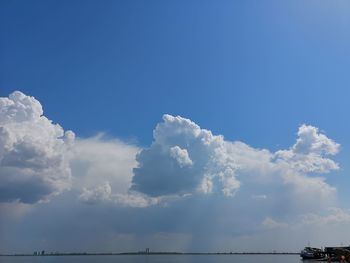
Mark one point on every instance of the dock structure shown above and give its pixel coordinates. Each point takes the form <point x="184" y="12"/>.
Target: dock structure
<point x="328" y="253"/>
<point x="338" y="252"/>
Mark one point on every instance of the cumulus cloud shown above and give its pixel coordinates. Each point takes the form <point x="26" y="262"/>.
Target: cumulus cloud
<point x="33" y="163"/>
<point x="185" y="158"/>
<point x="311" y="141"/>
<point x="186" y="174"/>
<point x="38" y="159"/>
<point x="97" y="194"/>
<point x="182" y="158"/>
<point x="103" y="193"/>
<point x="309" y="151"/>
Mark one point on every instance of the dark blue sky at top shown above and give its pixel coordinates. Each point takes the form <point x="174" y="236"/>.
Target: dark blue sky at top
<point x="250" y="70"/>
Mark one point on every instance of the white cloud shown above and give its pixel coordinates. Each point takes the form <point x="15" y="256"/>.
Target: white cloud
<point x="102" y="172"/>
<point x="135" y="199"/>
<point x="37" y="159"/>
<point x="309" y="151"/>
<point x="98" y="194"/>
<point x="206" y="185"/>
<point x="309" y="191"/>
<point x="100" y="159"/>
<point x="184" y="162"/>
<point x="335" y="216"/>
<point x="181" y="156"/>
<point x="310" y="140"/>
<point x="271" y="223"/>
<point x="33" y="163"/>
<point x="19" y="108"/>
<point x="103" y="193"/>
<point x="221" y="166"/>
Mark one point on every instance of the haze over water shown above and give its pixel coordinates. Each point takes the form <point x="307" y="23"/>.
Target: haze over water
<point x="157" y="259"/>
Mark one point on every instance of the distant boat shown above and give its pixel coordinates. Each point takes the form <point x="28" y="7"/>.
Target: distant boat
<point x="312" y="253"/>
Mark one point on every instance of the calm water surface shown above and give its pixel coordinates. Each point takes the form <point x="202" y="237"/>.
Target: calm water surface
<point x="157" y="259"/>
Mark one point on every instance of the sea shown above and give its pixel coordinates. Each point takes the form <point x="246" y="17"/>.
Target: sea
<point x="155" y="259"/>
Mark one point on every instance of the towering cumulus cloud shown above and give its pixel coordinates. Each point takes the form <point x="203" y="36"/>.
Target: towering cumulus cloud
<point x="308" y="153"/>
<point x="183" y="159"/>
<point x="38" y="160"/>
<point x="33" y="163"/>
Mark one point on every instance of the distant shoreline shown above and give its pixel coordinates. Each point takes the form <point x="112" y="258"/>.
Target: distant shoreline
<point x="149" y="254"/>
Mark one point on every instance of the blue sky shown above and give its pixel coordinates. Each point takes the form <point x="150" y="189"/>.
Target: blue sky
<point x="239" y="68"/>
<point x="252" y="71"/>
